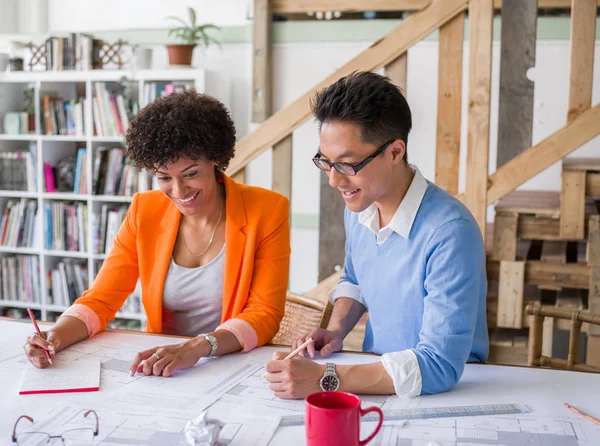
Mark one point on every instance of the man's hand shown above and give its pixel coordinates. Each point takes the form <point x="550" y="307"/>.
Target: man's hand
<point x="325" y="340"/>
<point x="170" y="358"/>
<point x="294" y="378"/>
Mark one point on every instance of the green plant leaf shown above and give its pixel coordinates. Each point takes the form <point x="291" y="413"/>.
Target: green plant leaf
<point x="192" y="16"/>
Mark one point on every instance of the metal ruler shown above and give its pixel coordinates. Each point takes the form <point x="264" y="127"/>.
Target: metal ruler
<point x="429" y="412"/>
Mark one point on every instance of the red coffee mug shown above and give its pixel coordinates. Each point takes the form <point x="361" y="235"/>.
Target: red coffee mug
<point x="333" y="418"/>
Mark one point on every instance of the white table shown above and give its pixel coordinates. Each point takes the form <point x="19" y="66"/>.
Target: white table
<point x="542" y="391"/>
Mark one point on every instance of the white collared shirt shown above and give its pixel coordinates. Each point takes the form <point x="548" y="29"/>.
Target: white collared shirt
<point x="403" y="367"/>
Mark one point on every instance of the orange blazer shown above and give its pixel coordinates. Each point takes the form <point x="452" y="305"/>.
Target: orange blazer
<point x="257" y="237"/>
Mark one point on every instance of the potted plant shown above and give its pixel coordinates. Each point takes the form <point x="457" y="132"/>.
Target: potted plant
<point x="191" y="34"/>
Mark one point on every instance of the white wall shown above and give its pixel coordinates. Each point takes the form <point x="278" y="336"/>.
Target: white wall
<point x="89" y="16"/>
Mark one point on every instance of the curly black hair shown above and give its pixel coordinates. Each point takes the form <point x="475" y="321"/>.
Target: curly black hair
<point x="181" y="124"/>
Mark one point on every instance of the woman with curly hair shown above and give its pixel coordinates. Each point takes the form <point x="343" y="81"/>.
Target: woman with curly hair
<point x="212" y="255"/>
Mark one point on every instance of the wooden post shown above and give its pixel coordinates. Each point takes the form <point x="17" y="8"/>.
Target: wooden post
<point x="592" y="356"/>
<point x="515" y="120"/>
<point x="535" y="340"/>
<point x="397" y="71"/>
<point x="282" y="167"/>
<point x="478" y="130"/>
<point x="510" y="294"/>
<point x="505" y="236"/>
<point x="449" y="104"/>
<point x="572" y="205"/>
<point x="574" y="336"/>
<point x="593" y="258"/>
<point x="583" y="35"/>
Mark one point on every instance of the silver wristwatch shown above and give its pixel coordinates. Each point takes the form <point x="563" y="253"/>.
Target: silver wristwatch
<point x="212" y="341"/>
<point x="330" y="380"/>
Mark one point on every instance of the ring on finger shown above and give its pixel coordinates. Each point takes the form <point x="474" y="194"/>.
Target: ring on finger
<point x="156" y="356"/>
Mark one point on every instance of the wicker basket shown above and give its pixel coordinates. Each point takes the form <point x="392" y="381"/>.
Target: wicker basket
<point x="301" y="315"/>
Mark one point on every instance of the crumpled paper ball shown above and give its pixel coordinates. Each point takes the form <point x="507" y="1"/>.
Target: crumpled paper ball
<point x="203" y="431"/>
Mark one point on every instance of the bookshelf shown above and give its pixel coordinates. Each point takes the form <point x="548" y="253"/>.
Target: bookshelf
<point x="73" y="86"/>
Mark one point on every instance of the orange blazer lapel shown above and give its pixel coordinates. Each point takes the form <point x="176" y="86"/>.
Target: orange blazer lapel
<point x="235" y="239"/>
<point x="164" y="243"/>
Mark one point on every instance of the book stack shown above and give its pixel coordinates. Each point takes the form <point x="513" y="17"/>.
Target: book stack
<point x="76" y="52"/>
<point x="60" y="117"/>
<point x="67" y="282"/>
<point x="20" y="279"/>
<point x="65" y="226"/>
<point x="18" y="224"/>
<point x="17" y="170"/>
<point x="115" y="174"/>
<point x="111" y="116"/>
<point x="105" y="228"/>
<point x="154" y="90"/>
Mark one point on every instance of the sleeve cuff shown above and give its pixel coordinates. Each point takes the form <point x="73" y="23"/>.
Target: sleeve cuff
<point x="404" y="369"/>
<point x="243" y="331"/>
<point x="346" y="289"/>
<point x="86" y="315"/>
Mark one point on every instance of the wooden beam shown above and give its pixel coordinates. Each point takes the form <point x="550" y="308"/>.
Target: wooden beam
<point x="583" y="36"/>
<point x="510" y="294"/>
<point x="530" y="227"/>
<point x="397" y="71"/>
<point x="572" y="205"/>
<point x="548" y="274"/>
<point x="505" y="237"/>
<point x="282" y="167"/>
<point x="592" y="188"/>
<point x="300" y="6"/>
<point x="449" y="104"/>
<point x="379" y="54"/>
<point x="481" y="13"/>
<point x="593" y="244"/>
<point x="541" y="156"/>
<point x="261" y="62"/>
<point x="515" y="121"/>
<point x="593" y="258"/>
<point x="592" y="356"/>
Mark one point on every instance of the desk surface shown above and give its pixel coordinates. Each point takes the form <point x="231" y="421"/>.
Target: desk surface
<point x="542" y="391"/>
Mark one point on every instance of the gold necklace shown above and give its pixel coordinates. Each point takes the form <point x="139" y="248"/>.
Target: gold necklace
<point x="209" y="242"/>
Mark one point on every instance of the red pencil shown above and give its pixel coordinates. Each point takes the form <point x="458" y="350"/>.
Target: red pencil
<point x="37" y="329"/>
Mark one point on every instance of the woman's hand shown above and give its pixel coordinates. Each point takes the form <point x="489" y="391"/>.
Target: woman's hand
<point x="34" y="348"/>
<point x="163" y="361"/>
<point x="294" y="378"/>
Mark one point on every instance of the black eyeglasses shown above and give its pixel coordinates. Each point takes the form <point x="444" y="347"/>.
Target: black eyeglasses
<point x="349" y="169"/>
<point x="84" y="435"/>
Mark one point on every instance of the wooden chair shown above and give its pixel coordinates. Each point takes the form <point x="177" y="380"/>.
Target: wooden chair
<point x="302" y="314"/>
<point x="577" y="317"/>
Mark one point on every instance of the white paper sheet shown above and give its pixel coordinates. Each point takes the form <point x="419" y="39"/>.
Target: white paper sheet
<point x="63" y="376"/>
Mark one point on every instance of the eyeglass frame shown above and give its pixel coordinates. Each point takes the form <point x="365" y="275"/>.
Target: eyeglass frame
<point x="14" y="432"/>
<point x="356" y="167"/>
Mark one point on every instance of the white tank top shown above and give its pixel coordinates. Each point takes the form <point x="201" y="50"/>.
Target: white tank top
<point x="193" y="297"/>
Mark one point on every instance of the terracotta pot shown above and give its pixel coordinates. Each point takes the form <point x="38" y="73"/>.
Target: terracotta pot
<point x="180" y="54"/>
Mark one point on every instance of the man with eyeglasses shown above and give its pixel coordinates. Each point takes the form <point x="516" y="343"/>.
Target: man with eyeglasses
<point x="415" y="258"/>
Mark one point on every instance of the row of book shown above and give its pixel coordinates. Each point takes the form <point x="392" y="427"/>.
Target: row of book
<point x="62" y="117"/>
<point x="18" y="224"/>
<point x="105" y="227"/>
<point x="111" y="115"/>
<point x="66" y="228"/>
<point x="20" y="278"/>
<point x="155" y="90"/>
<point x="115" y="174"/>
<point x="75" y="52"/>
<point x="66" y="282"/>
<point x="17" y="170"/>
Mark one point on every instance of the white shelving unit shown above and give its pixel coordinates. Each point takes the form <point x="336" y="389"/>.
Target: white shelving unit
<point x="53" y="147"/>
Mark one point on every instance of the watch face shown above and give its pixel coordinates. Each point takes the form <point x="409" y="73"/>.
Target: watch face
<point x="330" y="382"/>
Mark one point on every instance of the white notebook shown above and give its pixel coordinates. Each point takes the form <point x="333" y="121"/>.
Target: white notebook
<point x="63" y="376"/>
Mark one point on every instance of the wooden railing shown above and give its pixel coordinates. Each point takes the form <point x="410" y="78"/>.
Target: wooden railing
<point x="390" y="52"/>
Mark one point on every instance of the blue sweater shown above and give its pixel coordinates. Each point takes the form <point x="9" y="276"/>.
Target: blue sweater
<point x="425" y="293"/>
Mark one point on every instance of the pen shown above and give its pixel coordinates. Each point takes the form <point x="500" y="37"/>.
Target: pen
<point x="37" y="329"/>
<point x="583" y="414"/>
<point x="295" y="352"/>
